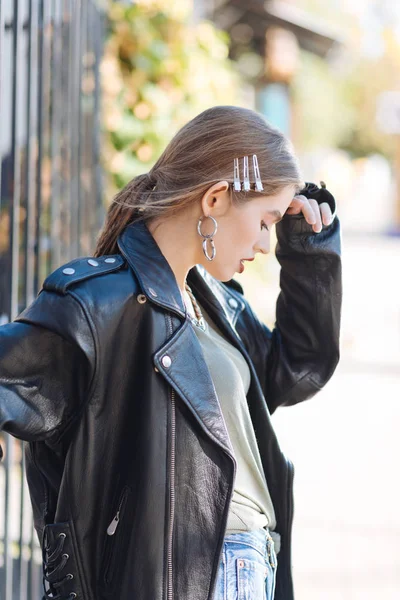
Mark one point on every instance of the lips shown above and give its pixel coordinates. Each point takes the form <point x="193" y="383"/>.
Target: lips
<point x="241" y="262"/>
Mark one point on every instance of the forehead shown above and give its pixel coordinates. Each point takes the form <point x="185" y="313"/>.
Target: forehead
<point x="278" y="202"/>
<point x="286" y="195"/>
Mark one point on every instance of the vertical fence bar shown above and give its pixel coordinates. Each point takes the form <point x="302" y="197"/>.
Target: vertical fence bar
<point x="98" y="37"/>
<point x="67" y="124"/>
<point x="56" y="102"/>
<point x="23" y="557"/>
<point x="2" y="469"/>
<point x="22" y="564"/>
<point x="31" y="152"/>
<point x="15" y="253"/>
<point x="15" y="162"/>
<point x="47" y="118"/>
<point x="72" y="129"/>
<point x="39" y="120"/>
<point x="83" y="230"/>
<point x="2" y="33"/>
<point x="76" y="63"/>
<point x="6" y="299"/>
<point x="8" y="565"/>
<point x="85" y="110"/>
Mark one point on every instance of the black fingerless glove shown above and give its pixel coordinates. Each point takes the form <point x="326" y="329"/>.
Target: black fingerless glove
<point x="313" y="192"/>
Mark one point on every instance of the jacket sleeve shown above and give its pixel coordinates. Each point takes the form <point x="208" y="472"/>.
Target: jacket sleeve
<point x="46" y="366"/>
<point x="298" y="357"/>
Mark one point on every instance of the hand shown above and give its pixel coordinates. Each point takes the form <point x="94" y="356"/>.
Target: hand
<point x="315" y="214"/>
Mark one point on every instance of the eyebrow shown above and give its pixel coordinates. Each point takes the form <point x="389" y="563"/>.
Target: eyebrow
<point x="276" y="214"/>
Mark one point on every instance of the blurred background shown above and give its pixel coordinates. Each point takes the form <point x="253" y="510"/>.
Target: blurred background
<point x="91" y="92"/>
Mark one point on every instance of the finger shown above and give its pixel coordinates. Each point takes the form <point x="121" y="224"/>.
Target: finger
<point x="295" y="207"/>
<point x="326" y="213"/>
<point x="317" y="226"/>
<point x="308" y="212"/>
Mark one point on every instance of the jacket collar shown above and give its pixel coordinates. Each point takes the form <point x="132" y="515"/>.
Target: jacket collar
<point x="158" y="281"/>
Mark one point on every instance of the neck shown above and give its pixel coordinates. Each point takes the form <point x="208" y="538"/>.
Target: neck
<point x="177" y="240"/>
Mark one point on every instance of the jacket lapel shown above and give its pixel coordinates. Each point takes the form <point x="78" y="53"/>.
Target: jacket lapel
<point x="187" y="371"/>
<point x="190" y="377"/>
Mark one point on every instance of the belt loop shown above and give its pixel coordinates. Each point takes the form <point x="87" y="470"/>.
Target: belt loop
<point x="267" y="544"/>
<point x="268" y="553"/>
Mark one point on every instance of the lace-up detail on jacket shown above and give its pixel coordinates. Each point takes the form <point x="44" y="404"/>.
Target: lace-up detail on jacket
<point x="55" y="560"/>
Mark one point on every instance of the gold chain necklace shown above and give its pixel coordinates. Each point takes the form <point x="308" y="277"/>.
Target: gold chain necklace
<point x="199" y="320"/>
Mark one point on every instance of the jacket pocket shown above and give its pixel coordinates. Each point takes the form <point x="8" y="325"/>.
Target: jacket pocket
<point x="115" y="537"/>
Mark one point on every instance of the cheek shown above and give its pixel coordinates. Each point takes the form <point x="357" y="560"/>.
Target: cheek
<point x="246" y="228"/>
<point x="236" y="239"/>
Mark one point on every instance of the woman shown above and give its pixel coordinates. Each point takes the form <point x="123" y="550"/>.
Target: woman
<point x="144" y="382"/>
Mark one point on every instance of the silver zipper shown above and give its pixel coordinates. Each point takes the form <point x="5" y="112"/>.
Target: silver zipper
<point x="111" y="554"/>
<point x="172" y="497"/>
<point x="111" y="529"/>
<point x="113" y="525"/>
<point x="172" y="488"/>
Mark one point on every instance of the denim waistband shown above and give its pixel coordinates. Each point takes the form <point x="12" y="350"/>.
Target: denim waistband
<point x="277" y="540"/>
<point x="257" y="538"/>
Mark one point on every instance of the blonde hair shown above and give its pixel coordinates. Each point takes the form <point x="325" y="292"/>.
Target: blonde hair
<point x="199" y="155"/>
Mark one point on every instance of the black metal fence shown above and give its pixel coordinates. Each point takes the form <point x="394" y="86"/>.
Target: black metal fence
<point x="50" y="202"/>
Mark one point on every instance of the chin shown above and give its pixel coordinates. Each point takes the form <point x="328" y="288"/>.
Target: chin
<point x="223" y="275"/>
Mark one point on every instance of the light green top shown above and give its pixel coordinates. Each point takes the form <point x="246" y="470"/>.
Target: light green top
<point x="251" y="506"/>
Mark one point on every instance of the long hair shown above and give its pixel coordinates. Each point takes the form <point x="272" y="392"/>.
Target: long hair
<point x="200" y="154"/>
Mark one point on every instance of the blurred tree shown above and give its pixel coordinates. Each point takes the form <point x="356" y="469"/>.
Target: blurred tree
<point x="160" y="69"/>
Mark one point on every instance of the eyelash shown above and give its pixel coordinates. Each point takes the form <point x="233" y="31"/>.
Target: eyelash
<point x="263" y="224"/>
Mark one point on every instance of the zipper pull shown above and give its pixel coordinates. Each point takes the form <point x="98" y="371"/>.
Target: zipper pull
<point x="113" y="525"/>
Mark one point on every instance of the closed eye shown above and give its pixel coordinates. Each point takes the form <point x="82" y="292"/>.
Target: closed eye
<point x="264" y="225"/>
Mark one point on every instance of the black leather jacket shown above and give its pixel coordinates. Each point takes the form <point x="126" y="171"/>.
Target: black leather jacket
<point x="129" y="466"/>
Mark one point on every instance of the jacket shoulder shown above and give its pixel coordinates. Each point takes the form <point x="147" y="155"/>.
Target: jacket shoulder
<point x="81" y="269"/>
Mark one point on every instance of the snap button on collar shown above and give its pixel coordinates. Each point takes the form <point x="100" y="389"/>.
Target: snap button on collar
<point x="93" y="262"/>
<point x="68" y="271"/>
<point x="232" y="303"/>
<point x="166" y="361"/>
<point x="110" y="260"/>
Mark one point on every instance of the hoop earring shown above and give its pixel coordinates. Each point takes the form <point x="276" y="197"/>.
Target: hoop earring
<point x="208" y="237"/>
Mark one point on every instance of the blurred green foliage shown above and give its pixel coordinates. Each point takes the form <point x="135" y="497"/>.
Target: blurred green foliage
<point x="335" y="101"/>
<point x="338" y="110"/>
<point x="160" y="68"/>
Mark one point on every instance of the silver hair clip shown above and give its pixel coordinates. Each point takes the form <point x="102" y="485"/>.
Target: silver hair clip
<point x="259" y="185"/>
<point x="236" y="175"/>
<point x="245" y="185"/>
<point x="246" y="178"/>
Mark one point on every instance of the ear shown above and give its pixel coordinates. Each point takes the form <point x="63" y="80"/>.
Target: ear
<point x="216" y="200"/>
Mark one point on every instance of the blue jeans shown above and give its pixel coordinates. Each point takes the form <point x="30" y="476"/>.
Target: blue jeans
<point x="247" y="570"/>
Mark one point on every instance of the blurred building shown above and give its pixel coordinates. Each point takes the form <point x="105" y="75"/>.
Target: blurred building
<point x="265" y="40"/>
